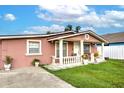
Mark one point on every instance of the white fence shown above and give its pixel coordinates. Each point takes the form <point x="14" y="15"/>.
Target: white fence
<point x="114" y="52"/>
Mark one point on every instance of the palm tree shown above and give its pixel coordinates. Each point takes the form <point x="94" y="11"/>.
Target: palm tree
<point x="49" y="32"/>
<point x="68" y="27"/>
<point x="77" y="28"/>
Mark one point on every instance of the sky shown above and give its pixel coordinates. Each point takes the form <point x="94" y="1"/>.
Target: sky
<point x="33" y="19"/>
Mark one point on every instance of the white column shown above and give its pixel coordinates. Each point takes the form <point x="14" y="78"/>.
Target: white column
<point x="92" y="57"/>
<point x="102" y="51"/>
<point x="82" y="47"/>
<point x="92" y="54"/>
<point x="61" y="51"/>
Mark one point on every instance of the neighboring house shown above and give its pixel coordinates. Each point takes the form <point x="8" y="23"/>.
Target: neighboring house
<point x="60" y="49"/>
<point x="115" y="48"/>
<point x="115" y="39"/>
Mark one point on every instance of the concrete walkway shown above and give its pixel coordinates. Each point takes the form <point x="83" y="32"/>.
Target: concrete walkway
<point x="31" y="77"/>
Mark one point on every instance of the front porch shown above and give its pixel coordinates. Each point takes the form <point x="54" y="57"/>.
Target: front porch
<point x="75" y="59"/>
<point x="69" y="51"/>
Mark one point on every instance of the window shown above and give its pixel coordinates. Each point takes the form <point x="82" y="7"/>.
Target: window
<point x="86" y="48"/>
<point x="57" y="49"/>
<point x="65" y="51"/>
<point x="33" y="47"/>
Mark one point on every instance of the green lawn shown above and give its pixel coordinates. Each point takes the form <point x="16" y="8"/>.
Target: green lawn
<point x="104" y="75"/>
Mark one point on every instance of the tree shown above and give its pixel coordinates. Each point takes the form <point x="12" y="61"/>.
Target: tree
<point x="49" y="32"/>
<point x="77" y="28"/>
<point x="68" y="27"/>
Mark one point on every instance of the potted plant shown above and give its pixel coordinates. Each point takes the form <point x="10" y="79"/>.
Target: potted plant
<point x="7" y="63"/>
<point x="96" y="56"/>
<point x="85" y="59"/>
<point x="36" y="62"/>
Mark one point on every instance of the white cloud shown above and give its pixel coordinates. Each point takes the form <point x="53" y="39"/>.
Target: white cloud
<point x="76" y="12"/>
<point x="88" y="28"/>
<point x="29" y="32"/>
<point x="44" y="29"/>
<point x="114" y="15"/>
<point x="52" y="28"/>
<point x="90" y="19"/>
<point x="114" y="18"/>
<point x="108" y="19"/>
<point x="62" y="10"/>
<point x="117" y="25"/>
<point x="9" y="17"/>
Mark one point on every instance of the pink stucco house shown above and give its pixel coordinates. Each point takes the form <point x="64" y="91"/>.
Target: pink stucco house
<point x="58" y="49"/>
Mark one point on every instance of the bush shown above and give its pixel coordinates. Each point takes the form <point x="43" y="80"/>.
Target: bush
<point x="106" y="58"/>
<point x="8" y="60"/>
<point x="96" y="54"/>
<point x="85" y="56"/>
<point x="35" y="60"/>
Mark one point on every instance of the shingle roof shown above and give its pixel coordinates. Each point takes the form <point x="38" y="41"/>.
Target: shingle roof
<point x="114" y="37"/>
<point x="57" y="34"/>
<point x="32" y="35"/>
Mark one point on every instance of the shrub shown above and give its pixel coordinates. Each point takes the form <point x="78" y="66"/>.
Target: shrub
<point x="42" y="65"/>
<point x="8" y="60"/>
<point x="106" y="58"/>
<point x="35" y="60"/>
<point x="85" y="56"/>
<point x="96" y="54"/>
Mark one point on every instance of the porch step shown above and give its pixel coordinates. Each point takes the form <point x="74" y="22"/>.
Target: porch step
<point x="58" y="67"/>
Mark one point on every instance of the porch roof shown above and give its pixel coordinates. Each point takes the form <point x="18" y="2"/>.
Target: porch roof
<point x="80" y="33"/>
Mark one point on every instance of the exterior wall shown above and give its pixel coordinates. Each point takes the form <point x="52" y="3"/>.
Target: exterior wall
<point x="82" y="37"/>
<point x="70" y="48"/>
<point x="16" y="48"/>
<point x="93" y="48"/>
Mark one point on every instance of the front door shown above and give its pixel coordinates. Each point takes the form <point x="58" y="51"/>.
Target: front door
<point x="76" y="48"/>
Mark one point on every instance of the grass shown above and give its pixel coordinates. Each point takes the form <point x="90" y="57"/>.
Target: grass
<point x="109" y="74"/>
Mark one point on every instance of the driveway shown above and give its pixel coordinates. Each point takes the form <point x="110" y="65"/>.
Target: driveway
<point x="31" y="77"/>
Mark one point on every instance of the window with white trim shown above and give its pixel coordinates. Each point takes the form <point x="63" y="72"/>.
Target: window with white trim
<point x="33" y="47"/>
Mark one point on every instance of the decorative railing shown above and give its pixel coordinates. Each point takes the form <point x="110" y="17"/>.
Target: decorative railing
<point x="71" y="60"/>
<point x="67" y="60"/>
